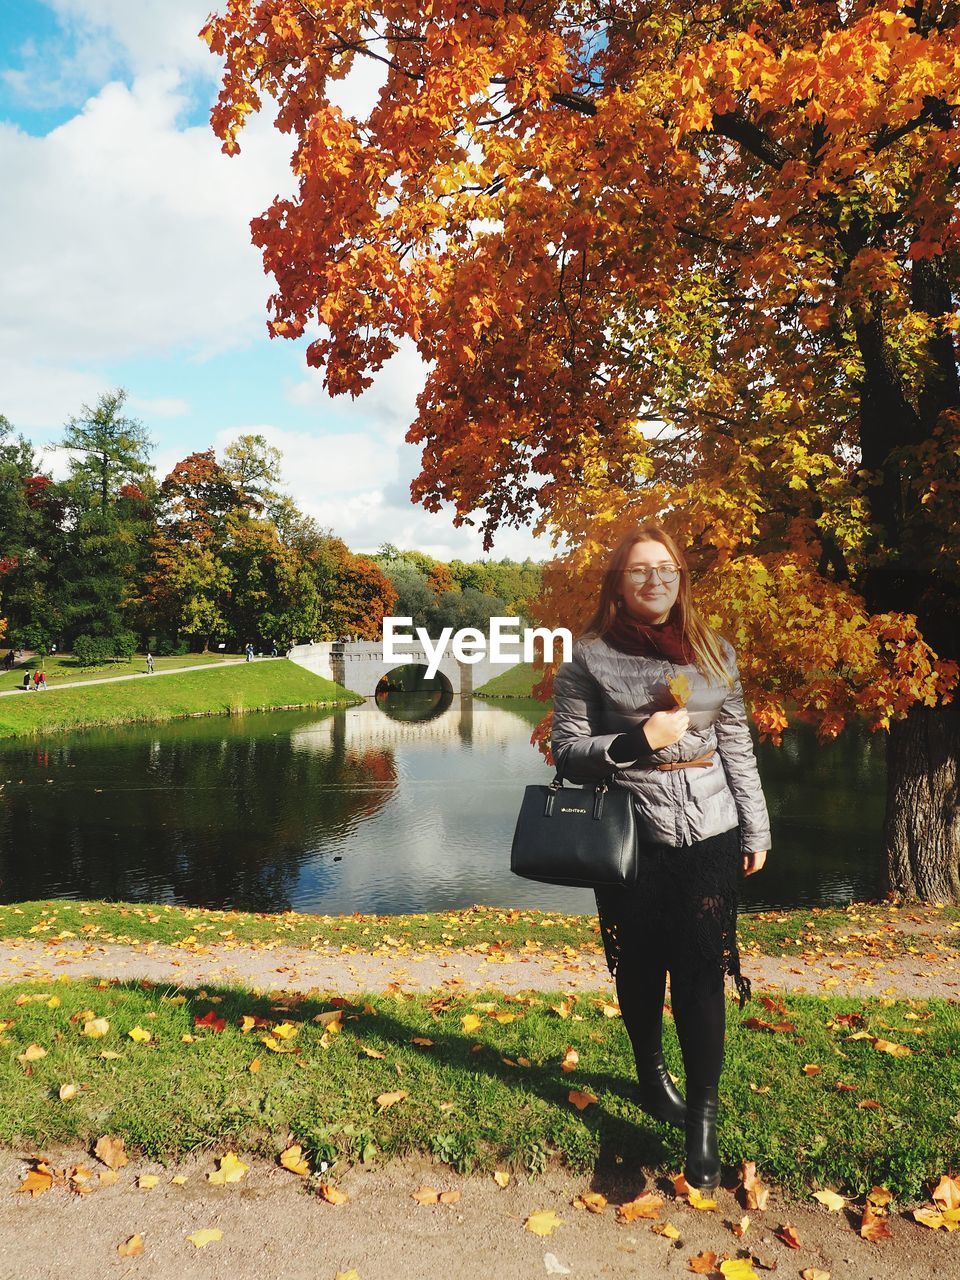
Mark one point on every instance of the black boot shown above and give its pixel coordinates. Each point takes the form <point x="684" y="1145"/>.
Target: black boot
<point x="702" y="1169"/>
<point x="658" y="1094"/>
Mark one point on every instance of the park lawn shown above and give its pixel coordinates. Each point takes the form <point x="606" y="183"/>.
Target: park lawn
<point x="516" y="682"/>
<point x="63" y="668"/>
<point x="233" y="690"/>
<point x="483" y="1089"/>
<point x="860" y="929"/>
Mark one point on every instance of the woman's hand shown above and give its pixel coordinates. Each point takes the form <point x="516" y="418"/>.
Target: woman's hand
<point x="666" y="727"/>
<point x="753" y="862"/>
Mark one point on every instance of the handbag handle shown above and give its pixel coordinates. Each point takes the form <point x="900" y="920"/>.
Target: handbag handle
<point x="556" y="786"/>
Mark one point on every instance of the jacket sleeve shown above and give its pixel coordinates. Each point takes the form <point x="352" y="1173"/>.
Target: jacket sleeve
<point x="580" y="752"/>
<point x="735" y="746"/>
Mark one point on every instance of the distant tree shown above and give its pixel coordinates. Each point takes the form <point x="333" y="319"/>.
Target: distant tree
<point x="114" y="450"/>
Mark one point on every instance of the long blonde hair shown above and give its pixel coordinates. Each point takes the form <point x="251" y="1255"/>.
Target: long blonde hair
<point x="704" y="642"/>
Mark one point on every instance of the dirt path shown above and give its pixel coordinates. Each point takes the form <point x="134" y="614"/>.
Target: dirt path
<point x="136" y="675"/>
<point x="297" y="969"/>
<point x="274" y="1225"/>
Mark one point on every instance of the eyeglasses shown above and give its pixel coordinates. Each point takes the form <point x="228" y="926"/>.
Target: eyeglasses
<point x="665" y="572"/>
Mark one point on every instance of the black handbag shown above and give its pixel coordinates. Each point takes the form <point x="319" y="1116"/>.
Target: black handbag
<point x="565" y="835"/>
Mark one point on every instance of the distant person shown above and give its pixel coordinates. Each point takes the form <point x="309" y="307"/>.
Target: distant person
<point x="149" y="664"/>
<point x="26" y="682"/>
<point x="9" y="660"/>
<point x="249" y="652"/>
<point x="273" y="649"/>
<point x="39" y="679"/>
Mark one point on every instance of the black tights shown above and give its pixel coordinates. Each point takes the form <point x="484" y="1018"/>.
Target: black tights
<point x="699" y="1012"/>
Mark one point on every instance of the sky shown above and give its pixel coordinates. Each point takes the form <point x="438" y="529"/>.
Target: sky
<point x="125" y="260"/>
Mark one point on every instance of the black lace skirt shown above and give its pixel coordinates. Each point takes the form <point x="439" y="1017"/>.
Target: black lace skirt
<point x="683" y="909"/>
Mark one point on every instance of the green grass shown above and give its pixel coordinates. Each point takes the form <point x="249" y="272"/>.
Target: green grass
<point x="63" y="668"/>
<point x="516" y="682"/>
<point x="254" y="686"/>
<point x="860" y="929"/>
<point x="479" y="1098"/>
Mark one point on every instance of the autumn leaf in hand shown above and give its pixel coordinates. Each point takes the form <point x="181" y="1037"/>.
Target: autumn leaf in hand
<point x="679" y="687"/>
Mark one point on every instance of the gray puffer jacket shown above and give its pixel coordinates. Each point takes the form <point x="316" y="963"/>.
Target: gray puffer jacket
<point x="602" y="693"/>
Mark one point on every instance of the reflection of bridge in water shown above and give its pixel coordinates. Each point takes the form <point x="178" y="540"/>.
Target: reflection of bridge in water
<point x="359" y="665"/>
<point x="464" y="723"/>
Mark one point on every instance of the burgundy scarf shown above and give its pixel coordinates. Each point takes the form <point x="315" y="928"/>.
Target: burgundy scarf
<point x="655" y="639"/>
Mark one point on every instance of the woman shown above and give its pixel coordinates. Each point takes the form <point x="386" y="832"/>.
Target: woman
<point x="701" y="818"/>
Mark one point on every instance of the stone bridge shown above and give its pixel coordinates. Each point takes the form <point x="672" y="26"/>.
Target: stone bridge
<point x="359" y="665"/>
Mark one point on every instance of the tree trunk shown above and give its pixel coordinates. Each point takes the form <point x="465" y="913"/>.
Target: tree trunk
<point x="922" y="821"/>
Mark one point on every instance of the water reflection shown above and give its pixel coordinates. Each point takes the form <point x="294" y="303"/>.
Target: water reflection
<point x="356" y="810"/>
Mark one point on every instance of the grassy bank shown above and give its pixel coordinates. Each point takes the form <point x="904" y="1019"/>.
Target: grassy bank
<point x="879" y="929"/>
<point x="64" y="668"/>
<point x="255" y="686"/>
<point x="516" y="682"/>
<point x="480" y="1081"/>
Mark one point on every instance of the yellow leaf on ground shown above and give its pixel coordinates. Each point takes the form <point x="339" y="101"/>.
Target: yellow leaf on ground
<point x="332" y="1195"/>
<point x="147" y="1181"/>
<point x="470" y="1022"/>
<point x="67" y="1091"/>
<point x="592" y="1200"/>
<point x="449" y="1197"/>
<point x="811" y="1069"/>
<point x="95" y="1028"/>
<point x="111" y="1151"/>
<point x="738" y="1269"/>
<point x="178" y="1179"/>
<point x="426" y="1195"/>
<point x="829" y="1199"/>
<point x="698" y="1200"/>
<point x="110" y="1053"/>
<point x="108" y="1177"/>
<point x="285" y="1030"/>
<point x="422" y="1040"/>
<point x="204" y="1237"/>
<point x="501" y="1178"/>
<point x="571" y="1060"/>
<point x="581" y="1098"/>
<point x="254" y="1065"/>
<point x="814" y="1273"/>
<point x="372" y="1053"/>
<point x="946" y="1193"/>
<point x="895" y="1050"/>
<point x="293" y="1159"/>
<point x="646" y="1205"/>
<point x="232" y="1169"/>
<point x="739" y="1229"/>
<point x="36" y="1182"/>
<point x="873" y="1225"/>
<point x="131" y="1248"/>
<point x="543" y="1222"/>
<point x="140" y="1035"/>
<point x="32" y="1053"/>
<point x="388" y="1099"/>
<point x="347" y="1275"/>
<point x="665" y="1229"/>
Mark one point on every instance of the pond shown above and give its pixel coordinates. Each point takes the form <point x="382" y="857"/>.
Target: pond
<point x="371" y="809"/>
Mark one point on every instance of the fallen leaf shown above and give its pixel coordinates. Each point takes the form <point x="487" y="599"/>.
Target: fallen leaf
<point x="738" y="1269"/>
<point x="95" y="1028"/>
<point x="232" y="1169"/>
<point x="108" y="1177"/>
<point x="131" y="1248"/>
<point x="873" y="1225"/>
<point x="646" y="1205"/>
<point x="947" y="1193"/>
<point x="698" y="1200"/>
<point x="32" y="1053"/>
<point x="895" y="1050"/>
<point x="111" y="1151"/>
<point x="665" y="1229"/>
<point x="67" y="1091"/>
<point x="581" y="1098"/>
<point x="501" y="1178"/>
<point x="293" y="1159"/>
<point x="332" y="1195"/>
<point x="372" y="1053"/>
<point x="426" y="1195"/>
<point x="543" y="1222"/>
<point x="206" y="1236"/>
<point x="147" y="1181"/>
<point x="830" y="1200"/>
<point x="36" y="1182"/>
<point x="811" y="1069"/>
<point x="814" y="1273"/>
<point x="756" y="1195"/>
<point x="388" y="1099"/>
<point x="591" y="1200"/>
<point x="739" y="1229"/>
<point x="570" y="1060"/>
<point x="214" y="1023"/>
<point x="703" y="1264"/>
<point x="470" y="1022"/>
<point x="140" y="1035"/>
<point x="788" y="1234"/>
